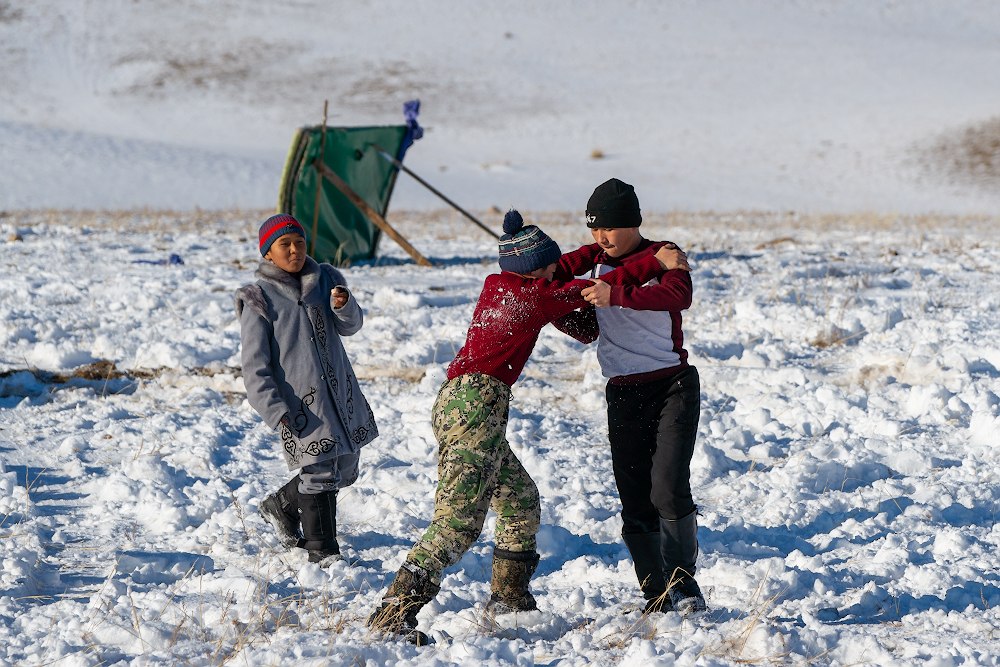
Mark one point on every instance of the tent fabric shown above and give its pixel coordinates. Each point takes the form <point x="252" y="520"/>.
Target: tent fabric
<point x="344" y="235"/>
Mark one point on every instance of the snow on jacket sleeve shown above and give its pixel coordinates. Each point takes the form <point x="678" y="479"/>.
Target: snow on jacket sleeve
<point x="258" y="376"/>
<point x="672" y="293"/>
<point x="580" y="324"/>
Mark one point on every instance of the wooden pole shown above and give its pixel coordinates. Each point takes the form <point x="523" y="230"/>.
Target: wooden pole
<point x="369" y="212"/>
<point x="319" y="180"/>
<point x="430" y="187"/>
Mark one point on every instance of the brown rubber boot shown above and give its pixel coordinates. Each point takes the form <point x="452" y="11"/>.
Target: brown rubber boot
<point x="410" y="591"/>
<point x="511" y="572"/>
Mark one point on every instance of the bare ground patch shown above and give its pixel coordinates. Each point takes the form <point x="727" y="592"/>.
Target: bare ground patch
<point x="966" y="156"/>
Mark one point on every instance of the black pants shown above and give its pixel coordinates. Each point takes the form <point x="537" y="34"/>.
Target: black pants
<point x="652" y="428"/>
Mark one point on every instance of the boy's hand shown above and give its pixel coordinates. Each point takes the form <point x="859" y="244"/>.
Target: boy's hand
<point x="598" y="294"/>
<point x="671" y="257"/>
<point x="340" y="296"/>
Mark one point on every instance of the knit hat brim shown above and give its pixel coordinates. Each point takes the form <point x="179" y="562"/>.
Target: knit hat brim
<point x="613" y="205"/>
<point x="527" y="250"/>
<point x="274" y="228"/>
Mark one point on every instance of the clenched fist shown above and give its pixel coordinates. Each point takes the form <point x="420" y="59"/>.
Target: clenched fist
<point x="340" y="296"/>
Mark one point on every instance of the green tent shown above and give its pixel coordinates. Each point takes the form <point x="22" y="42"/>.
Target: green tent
<point x="344" y="234"/>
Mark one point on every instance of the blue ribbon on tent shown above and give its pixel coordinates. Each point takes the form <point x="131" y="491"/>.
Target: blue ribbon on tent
<point x="411" y="110"/>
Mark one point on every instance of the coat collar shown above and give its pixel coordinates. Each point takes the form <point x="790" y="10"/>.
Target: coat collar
<point x="296" y="290"/>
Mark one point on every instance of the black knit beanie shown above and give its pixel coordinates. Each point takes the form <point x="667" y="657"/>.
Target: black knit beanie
<point x="613" y="205"/>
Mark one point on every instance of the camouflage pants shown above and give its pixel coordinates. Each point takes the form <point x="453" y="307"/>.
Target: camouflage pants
<point x="477" y="471"/>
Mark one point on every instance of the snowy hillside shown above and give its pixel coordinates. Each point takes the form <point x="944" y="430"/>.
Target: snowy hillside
<point x="846" y="469"/>
<point x="816" y="106"/>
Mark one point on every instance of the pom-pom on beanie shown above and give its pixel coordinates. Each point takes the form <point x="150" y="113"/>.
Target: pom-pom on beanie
<point x="613" y="205"/>
<point x="525" y="249"/>
<point x="275" y="227"/>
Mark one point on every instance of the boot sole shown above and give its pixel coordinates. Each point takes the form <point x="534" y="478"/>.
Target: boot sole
<point x="417" y="638"/>
<point x="378" y="623"/>
<point x="690" y="606"/>
<point x="500" y="608"/>
<point x="327" y="560"/>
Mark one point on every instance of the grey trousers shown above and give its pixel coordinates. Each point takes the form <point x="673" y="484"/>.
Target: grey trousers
<point x="329" y="475"/>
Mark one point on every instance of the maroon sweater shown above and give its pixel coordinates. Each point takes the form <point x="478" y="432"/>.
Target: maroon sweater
<point x="672" y="294"/>
<point x="513" y="309"/>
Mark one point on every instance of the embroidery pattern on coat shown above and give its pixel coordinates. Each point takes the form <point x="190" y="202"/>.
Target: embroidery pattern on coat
<point x="288" y="443"/>
<point x="302" y="417"/>
<point x="362" y="433"/>
<point x="321" y="446"/>
<point x="294" y="447"/>
<point x="350" y="395"/>
<point x="319" y="325"/>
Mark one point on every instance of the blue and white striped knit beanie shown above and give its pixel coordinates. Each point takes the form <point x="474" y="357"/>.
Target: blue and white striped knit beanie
<point x="525" y="249"/>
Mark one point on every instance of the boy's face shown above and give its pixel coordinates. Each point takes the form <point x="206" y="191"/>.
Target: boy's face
<point x="617" y="242"/>
<point x="546" y="272"/>
<point x="288" y="252"/>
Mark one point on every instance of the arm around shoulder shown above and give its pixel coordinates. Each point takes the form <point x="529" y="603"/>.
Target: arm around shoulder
<point x="577" y="263"/>
<point x="635" y="273"/>
<point x="672" y="293"/>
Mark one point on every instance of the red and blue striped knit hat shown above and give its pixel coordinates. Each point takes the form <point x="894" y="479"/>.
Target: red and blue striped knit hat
<point x="275" y="227"/>
<point x="524" y="249"/>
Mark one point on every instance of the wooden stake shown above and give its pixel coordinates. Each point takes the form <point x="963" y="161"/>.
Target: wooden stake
<point x="319" y="180"/>
<point x="399" y="165"/>
<point x="370" y="213"/>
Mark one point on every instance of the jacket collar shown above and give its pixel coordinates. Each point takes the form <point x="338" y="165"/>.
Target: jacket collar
<point x="296" y="290"/>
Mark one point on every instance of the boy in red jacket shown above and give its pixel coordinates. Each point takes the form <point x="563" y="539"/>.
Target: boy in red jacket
<point x="476" y="468"/>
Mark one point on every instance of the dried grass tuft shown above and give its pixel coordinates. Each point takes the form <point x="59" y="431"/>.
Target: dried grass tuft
<point x="735" y="644"/>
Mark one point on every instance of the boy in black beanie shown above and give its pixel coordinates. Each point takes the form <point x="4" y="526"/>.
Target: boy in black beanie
<point x="653" y="398"/>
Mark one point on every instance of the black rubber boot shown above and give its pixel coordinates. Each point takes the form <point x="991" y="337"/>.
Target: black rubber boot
<point x="648" y="560"/>
<point x="281" y="510"/>
<point x="679" y="546"/>
<point x="511" y="572"/>
<point x="318" y="514"/>
<point x="410" y="591"/>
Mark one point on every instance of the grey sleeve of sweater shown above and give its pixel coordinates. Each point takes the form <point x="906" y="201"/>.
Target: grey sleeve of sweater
<point x="258" y="375"/>
<point x="350" y="318"/>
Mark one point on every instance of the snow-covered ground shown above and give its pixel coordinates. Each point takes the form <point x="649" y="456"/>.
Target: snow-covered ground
<point x="846" y="468"/>
<point x="703" y="105"/>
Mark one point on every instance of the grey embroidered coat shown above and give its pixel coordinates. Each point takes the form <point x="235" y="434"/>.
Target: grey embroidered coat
<point x="294" y="362"/>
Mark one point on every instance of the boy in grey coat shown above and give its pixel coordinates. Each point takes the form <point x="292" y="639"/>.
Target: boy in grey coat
<point x="299" y="380"/>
